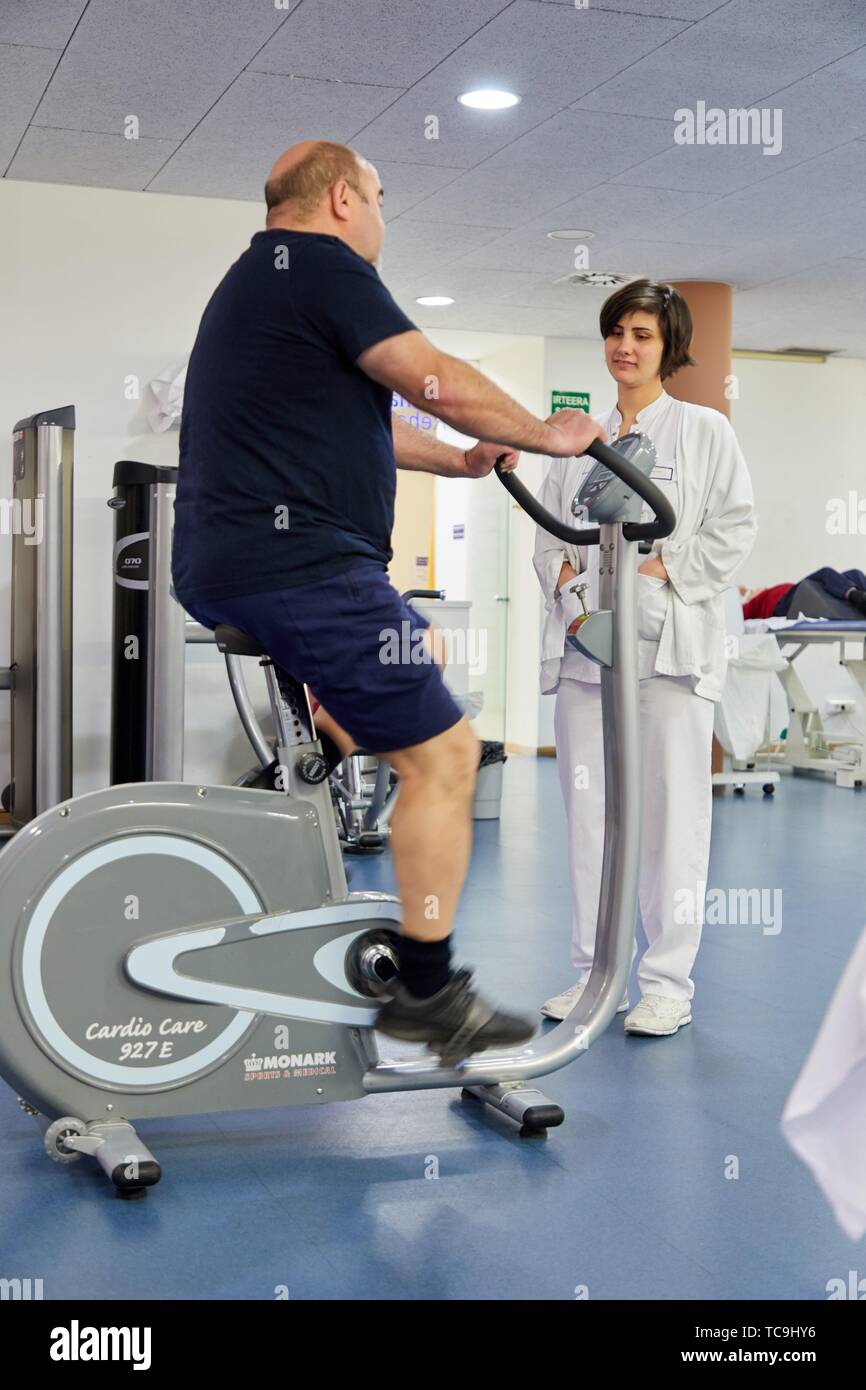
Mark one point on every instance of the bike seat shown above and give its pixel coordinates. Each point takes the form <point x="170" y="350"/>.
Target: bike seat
<point x="237" y="643"/>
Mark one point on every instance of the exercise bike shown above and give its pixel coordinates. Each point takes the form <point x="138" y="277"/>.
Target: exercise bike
<point x="172" y="949"/>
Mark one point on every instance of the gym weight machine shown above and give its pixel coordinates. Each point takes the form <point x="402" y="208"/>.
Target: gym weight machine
<point x="39" y="676"/>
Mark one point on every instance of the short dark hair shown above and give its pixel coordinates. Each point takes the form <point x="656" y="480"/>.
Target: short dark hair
<point x="670" y="309"/>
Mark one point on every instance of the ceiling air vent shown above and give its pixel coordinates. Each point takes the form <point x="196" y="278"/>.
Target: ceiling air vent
<point x="808" y="352"/>
<point x="596" y="279"/>
<point x="791" y="354"/>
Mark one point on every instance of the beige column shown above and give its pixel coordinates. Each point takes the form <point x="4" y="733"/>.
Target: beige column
<point x="710" y="305"/>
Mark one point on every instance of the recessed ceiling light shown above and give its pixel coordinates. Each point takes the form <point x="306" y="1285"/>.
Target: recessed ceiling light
<point x="571" y="234"/>
<point x="488" y="99"/>
<point x="434" y="301"/>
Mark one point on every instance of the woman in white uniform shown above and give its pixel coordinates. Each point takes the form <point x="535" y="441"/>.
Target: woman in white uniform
<point x="647" y="329"/>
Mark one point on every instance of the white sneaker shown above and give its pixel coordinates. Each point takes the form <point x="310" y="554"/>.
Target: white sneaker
<point x="561" y="1005"/>
<point x="658" y="1016"/>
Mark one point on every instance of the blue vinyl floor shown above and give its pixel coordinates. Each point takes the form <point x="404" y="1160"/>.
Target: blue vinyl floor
<point x="629" y="1199"/>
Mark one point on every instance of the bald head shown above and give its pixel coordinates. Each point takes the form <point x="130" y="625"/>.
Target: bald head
<point x="291" y="157"/>
<point x="304" y="175"/>
<point x="320" y="186"/>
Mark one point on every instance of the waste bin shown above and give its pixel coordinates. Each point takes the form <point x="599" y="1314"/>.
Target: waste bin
<point x="488" y="788"/>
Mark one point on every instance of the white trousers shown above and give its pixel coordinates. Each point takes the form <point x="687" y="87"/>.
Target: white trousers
<point x="676" y="739"/>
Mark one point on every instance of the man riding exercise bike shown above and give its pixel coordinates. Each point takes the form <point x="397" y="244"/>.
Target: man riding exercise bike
<point x="283" y="520"/>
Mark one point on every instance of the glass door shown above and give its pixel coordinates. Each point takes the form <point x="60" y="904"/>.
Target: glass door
<point x="471" y="564"/>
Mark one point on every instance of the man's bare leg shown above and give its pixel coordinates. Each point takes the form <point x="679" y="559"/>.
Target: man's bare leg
<point x="325" y="724"/>
<point x="431" y="830"/>
<point x="431" y="839"/>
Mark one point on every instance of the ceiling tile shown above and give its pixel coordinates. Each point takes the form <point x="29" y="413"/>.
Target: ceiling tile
<point x="491" y="318"/>
<point x="407" y="185"/>
<point x="165" y="62"/>
<point x="539" y="50"/>
<point x="590" y="145"/>
<point x="710" y="169"/>
<point x="546" y="55"/>
<point x="23" y="74"/>
<point x="42" y="23"/>
<point x="457" y="136"/>
<point x="776" y="256"/>
<point x="231" y="151"/>
<point x="565" y="156"/>
<point x="608" y="210"/>
<point x="739" y="54"/>
<point x="420" y="248"/>
<point x="670" y="9"/>
<point x="492" y="286"/>
<point x="88" y="158"/>
<point x="666" y="259"/>
<point x="788" y="203"/>
<point x="394" y="42"/>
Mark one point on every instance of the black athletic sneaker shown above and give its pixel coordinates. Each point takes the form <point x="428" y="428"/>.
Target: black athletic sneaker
<point x="455" y="1023"/>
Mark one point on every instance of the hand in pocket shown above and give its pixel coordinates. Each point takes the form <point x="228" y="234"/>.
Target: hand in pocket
<point x="652" y="606"/>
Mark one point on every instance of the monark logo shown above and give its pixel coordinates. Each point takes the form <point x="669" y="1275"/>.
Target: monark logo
<point x="77" y="1343"/>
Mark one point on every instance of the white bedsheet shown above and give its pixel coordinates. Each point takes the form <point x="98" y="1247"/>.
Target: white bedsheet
<point x="824" y="1119"/>
<point x="742" y="715"/>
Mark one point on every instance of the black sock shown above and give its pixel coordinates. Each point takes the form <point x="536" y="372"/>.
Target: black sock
<point x="425" y="966"/>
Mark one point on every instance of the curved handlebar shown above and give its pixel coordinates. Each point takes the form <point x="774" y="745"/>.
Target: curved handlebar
<point x="409" y="594"/>
<point x="665" y="518"/>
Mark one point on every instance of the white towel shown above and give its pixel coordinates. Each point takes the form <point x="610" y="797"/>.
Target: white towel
<point x="824" y="1119"/>
<point x="167" y="390"/>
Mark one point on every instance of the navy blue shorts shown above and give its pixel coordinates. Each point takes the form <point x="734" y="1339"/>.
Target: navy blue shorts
<point x="357" y="645"/>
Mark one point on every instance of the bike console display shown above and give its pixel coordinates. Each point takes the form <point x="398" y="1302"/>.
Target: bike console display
<point x="627" y="462"/>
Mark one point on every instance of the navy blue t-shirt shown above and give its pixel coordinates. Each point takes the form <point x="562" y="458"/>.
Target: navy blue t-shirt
<point x="287" y="471"/>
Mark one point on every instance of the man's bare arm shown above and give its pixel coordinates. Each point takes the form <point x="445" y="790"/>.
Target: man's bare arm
<point x="422" y="452"/>
<point x="468" y="401"/>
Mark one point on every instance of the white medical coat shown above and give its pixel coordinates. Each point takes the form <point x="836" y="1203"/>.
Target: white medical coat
<point x="714" y="533"/>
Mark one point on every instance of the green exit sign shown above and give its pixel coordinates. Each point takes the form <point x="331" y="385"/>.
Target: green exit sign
<point x="569" y="400"/>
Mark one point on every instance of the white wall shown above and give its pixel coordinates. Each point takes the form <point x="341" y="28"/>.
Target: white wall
<point x="98" y="286"/>
<point x="800" y="428"/>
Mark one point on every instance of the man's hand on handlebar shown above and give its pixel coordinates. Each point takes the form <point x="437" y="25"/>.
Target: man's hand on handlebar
<point x="570" y="432"/>
<point x="482" y="456"/>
